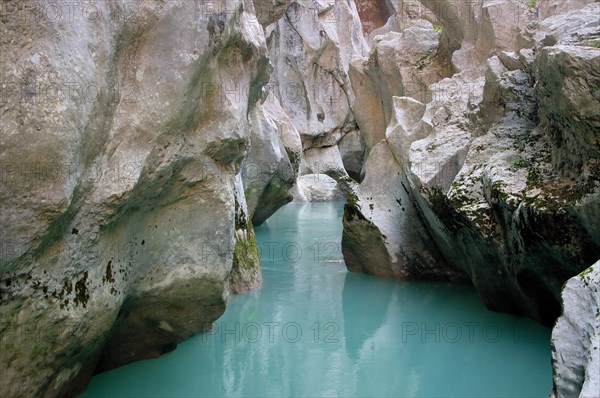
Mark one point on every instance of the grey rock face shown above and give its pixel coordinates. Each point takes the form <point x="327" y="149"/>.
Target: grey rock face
<point x="272" y="165"/>
<point x="121" y="146"/>
<point x="245" y="272"/>
<point x="568" y="78"/>
<point x="311" y="47"/>
<point x="473" y="30"/>
<point x="352" y="149"/>
<point x="550" y="8"/>
<point x="136" y="155"/>
<point x="576" y="338"/>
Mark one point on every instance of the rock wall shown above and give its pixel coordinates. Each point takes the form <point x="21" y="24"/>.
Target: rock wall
<point x="497" y="163"/>
<point x="123" y="223"/>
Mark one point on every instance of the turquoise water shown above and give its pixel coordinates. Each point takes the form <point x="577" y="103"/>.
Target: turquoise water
<point x="316" y="330"/>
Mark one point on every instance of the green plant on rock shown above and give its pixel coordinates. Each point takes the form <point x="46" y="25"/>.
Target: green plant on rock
<point x="532" y="3"/>
<point x="519" y="163"/>
<point x="522" y="140"/>
<point x="438" y="29"/>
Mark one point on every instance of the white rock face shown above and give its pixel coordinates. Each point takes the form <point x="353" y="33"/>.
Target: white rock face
<point x="311" y="47"/>
<point x="550" y="8"/>
<point x="383" y="234"/>
<point x="316" y="188"/>
<point x="576" y="338"/>
<point x="393" y="68"/>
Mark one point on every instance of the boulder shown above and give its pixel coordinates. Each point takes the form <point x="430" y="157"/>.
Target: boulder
<point x="316" y="188"/>
<point x="327" y="160"/>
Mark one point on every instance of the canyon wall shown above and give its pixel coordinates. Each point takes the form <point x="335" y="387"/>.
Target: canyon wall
<point x="491" y="173"/>
<point x="142" y="141"/>
<point x="124" y="222"/>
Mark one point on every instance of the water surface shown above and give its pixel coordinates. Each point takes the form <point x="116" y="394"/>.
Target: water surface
<point x="316" y="330"/>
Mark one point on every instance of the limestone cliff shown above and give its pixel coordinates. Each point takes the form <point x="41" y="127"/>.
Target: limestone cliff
<point x="491" y="173"/>
<point x="124" y="129"/>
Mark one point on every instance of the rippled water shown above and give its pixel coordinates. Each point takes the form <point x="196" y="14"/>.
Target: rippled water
<point x="316" y="330"/>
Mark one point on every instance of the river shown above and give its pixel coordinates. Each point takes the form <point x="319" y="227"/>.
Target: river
<point x="315" y="329"/>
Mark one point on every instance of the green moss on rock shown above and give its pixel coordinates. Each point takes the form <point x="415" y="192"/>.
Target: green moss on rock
<point x="245" y="272"/>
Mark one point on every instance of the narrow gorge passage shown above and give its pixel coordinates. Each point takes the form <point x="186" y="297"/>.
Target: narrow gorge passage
<point x="315" y="329"/>
<point x="143" y="142"/>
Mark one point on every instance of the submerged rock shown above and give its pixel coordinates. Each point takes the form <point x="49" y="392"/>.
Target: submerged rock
<point x="576" y="338"/>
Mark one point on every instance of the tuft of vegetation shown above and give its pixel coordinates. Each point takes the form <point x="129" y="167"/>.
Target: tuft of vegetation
<point x="438" y="29"/>
<point x="432" y="146"/>
<point x="519" y="163"/>
<point x="532" y="3"/>
<point x="523" y="140"/>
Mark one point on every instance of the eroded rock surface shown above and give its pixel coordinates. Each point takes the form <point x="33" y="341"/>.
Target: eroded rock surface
<point x="120" y="149"/>
<point x="576" y="338"/>
<point x="498" y="161"/>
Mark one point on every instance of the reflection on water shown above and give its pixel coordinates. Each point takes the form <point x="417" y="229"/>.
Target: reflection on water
<point x="316" y="330"/>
